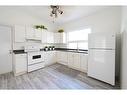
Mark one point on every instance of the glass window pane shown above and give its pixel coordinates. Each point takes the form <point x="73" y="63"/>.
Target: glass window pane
<point x="79" y="35"/>
<point x="72" y="45"/>
<point x="83" y="45"/>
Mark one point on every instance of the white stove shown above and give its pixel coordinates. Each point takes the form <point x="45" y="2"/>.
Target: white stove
<point x="35" y="58"/>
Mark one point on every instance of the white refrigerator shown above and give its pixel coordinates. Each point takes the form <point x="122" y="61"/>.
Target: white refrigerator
<point x="101" y="59"/>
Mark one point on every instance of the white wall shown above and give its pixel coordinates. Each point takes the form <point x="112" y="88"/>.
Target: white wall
<point x="15" y="15"/>
<point x="124" y="49"/>
<point x="102" y="21"/>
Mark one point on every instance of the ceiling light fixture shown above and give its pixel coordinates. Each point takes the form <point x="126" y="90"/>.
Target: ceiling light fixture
<point x="55" y="11"/>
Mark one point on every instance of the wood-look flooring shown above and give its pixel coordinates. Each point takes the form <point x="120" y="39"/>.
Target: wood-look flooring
<point x="56" y="76"/>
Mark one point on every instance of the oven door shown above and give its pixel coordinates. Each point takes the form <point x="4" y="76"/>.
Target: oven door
<point x="35" y="57"/>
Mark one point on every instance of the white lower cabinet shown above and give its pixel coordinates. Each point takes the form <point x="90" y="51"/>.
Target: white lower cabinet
<point x="49" y="57"/>
<point x="77" y="61"/>
<point x="20" y="64"/>
<point x="73" y="60"/>
<point x="62" y="57"/>
<point x="84" y="62"/>
<point x="70" y="59"/>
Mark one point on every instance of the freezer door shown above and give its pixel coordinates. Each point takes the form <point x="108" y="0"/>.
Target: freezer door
<point x="101" y="65"/>
<point x="102" y="40"/>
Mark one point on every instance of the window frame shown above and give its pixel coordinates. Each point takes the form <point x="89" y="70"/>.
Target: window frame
<point x="77" y="41"/>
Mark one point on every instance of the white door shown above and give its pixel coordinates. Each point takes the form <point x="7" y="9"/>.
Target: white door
<point x="102" y="40"/>
<point x="5" y="46"/>
<point x="101" y="65"/>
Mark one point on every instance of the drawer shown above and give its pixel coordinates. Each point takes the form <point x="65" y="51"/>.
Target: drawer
<point x="35" y="67"/>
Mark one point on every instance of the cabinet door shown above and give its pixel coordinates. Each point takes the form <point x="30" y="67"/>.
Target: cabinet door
<point x="29" y="32"/>
<point x="58" y="56"/>
<point x="19" y="33"/>
<point x="38" y="34"/>
<point x="44" y="36"/>
<point x="57" y="37"/>
<point x="50" y="57"/>
<point x="53" y="57"/>
<point x="62" y="37"/>
<point x="20" y="63"/>
<point x="77" y="60"/>
<point x="84" y="62"/>
<point x="64" y="58"/>
<point x="50" y="37"/>
<point x="70" y="59"/>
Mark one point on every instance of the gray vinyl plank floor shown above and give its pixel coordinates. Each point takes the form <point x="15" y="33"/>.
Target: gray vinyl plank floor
<point x="56" y="76"/>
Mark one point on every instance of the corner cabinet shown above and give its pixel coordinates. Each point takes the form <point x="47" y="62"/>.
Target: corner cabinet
<point x="59" y="37"/>
<point x="49" y="57"/>
<point x="19" y="33"/>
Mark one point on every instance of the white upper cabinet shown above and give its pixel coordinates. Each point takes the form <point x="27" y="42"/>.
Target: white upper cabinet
<point x="44" y="36"/>
<point x="59" y="38"/>
<point x="50" y="37"/>
<point x="29" y="32"/>
<point x="32" y="33"/>
<point x="38" y="34"/>
<point x="56" y="37"/>
<point x="19" y="33"/>
<point x="47" y="37"/>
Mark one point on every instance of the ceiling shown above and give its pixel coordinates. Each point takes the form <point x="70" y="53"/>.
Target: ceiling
<point x="70" y="12"/>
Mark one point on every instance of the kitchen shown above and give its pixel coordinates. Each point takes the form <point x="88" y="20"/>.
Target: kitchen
<point x="46" y="53"/>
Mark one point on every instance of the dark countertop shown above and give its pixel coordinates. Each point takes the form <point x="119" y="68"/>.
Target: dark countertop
<point x="57" y="49"/>
<point x="70" y="50"/>
<point x="75" y="51"/>
<point x="18" y="51"/>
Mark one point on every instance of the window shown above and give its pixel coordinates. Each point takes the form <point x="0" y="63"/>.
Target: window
<point x="78" y="39"/>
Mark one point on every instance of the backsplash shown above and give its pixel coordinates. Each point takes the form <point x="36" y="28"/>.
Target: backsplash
<point x="18" y="46"/>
